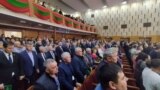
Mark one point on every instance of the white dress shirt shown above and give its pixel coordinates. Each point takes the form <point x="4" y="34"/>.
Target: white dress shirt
<point x="7" y="56"/>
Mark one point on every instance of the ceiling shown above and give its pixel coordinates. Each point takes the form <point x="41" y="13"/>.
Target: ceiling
<point x="72" y="6"/>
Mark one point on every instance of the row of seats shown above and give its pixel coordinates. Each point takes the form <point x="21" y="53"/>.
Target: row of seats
<point x="129" y="73"/>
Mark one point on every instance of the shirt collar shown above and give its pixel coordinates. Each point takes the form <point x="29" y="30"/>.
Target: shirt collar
<point x="6" y="53"/>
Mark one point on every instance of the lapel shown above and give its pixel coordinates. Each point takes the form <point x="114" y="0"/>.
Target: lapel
<point x="14" y="57"/>
<point x="34" y="57"/>
<point x="26" y="54"/>
<point x="66" y="68"/>
<point x="4" y="58"/>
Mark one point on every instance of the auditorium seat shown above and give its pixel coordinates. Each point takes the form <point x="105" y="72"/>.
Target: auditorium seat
<point x="131" y="82"/>
<point x="31" y="88"/>
<point x="132" y="88"/>
<point x="90" y="82"/>
<point x="127" y="70"/>
<point x="127" y="66"/>
<point x="129" y="74"/>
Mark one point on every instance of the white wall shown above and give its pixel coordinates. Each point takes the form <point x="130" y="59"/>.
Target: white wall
<point x="134" y="15"/>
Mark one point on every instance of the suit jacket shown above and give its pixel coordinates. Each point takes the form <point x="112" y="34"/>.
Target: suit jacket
<point x="66" y="75"/>
<point x="59" y="52"/>
<point x="8" y="70"/>
<point x="45" y="82"/>
<point x="28" y="67"/>
<point x="48" y="54"/>
<point x="37" y="47"/>
<point x="40" y="62"/>
<point x="66" y="49"/>
<point x="90" y="60"/>
<point x="79" y="67"/>
<point x="72" y="50"/>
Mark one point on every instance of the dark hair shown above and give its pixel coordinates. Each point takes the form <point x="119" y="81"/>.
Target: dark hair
<point x="142" y="56"/>
<point x="6" y="44"/>
<point x="107" y="73"/>
<point x="155" y="63"/>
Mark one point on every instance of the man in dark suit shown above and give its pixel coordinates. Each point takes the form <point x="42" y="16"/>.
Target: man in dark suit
<point x="11" y="66"/>
<point x="66" y="73"/>
<point x="49" y="80"/>
<point x="73" y="46"/>
<point x="59" y="51"/>
<point x="66" y="47"/>
<point x="41" y="58"/>
<point x="30" y="61"/>
<point x="88" y="55"/>
<point x="79" y="65"/>
<point x="50" y="53"/>
<point x="38" y="44"/>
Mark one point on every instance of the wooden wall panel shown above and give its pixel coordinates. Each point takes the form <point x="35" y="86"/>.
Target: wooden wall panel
<point x="59" y="36"/>
<point x="1" y="31"/>
<point x="30" y="33"/>
<point x="34" y="33"/>
<point x="44" y="34"/>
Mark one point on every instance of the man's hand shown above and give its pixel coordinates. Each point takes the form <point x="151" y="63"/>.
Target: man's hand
<point x="21" y="77"/>
<point x="37" y="70"/>
<point x="75" y="88"/>
<point x="78" y="85"/>
<point x="2" y="86"/>
<point x="85" y="76"/>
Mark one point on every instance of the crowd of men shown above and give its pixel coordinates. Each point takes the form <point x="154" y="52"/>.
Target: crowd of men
<point x="46" y="64"/>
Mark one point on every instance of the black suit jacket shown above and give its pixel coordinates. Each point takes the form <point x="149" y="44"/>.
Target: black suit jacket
<point x="66" y="49"/>
<point x="40" y="62"/>
<point x="45" y="82"/>
<point x="59" y="51"/>
<point x="8" y="70"/>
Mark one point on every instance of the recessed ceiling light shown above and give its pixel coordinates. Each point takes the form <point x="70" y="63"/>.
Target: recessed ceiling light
<point x="89" y="9"/>
<point x="22" y="21"/>
<point x="104" y="6"/>
<point x="124" y="2"/>
<point x="39" y="24"/>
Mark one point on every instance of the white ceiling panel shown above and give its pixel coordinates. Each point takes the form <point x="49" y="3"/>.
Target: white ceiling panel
<point x="76" y="4"/>
<point x="94" y="4"/>
<point x="71" y="6"/>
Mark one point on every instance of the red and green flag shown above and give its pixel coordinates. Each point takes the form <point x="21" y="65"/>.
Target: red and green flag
<point x="57" y="18"/>
<point x="68" y="23"/>
<point x="75" y="25"/>
<point x="20" y="6"/>
<point x="41" y="12"/>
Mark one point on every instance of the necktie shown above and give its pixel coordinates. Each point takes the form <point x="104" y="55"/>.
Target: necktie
<point x="57" y="82"/>
<point x="10" y="59"/>
<point x="43" y="56"/>
<point x="52" y="54"/>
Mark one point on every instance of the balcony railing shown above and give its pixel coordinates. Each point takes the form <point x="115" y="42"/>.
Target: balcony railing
<point x="28" y="7"/>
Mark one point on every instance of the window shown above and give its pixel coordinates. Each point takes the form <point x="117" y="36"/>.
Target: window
<point x="14" y="33"/>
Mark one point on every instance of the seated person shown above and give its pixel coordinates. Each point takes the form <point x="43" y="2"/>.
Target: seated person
<point x="111" y="77"/>
<point x="49" y="80"/>
<point x="66" y="73"/>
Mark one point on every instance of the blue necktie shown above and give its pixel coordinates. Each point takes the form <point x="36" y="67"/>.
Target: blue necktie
<point x="10" y="59"/>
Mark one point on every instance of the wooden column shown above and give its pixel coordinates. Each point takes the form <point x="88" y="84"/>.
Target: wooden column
<point x="54" y="34"/>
